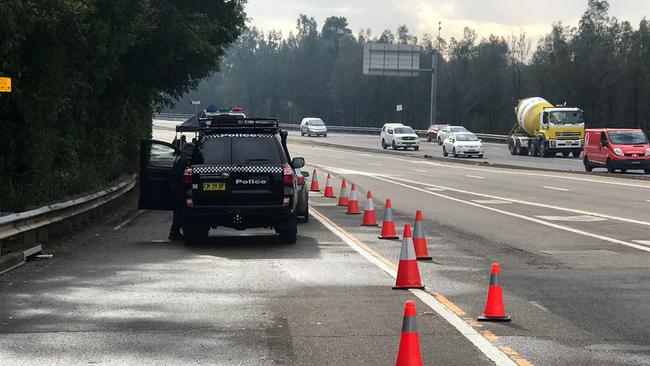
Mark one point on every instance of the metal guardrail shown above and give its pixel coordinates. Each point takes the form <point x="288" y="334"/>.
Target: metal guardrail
<point x="19" y="223"/>
<point x="346" y="129"/>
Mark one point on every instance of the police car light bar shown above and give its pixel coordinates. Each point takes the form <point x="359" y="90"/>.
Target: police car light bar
<point x="236" y="122"/>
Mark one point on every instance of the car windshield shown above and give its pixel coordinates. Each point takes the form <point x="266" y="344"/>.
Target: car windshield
<point x="458" y="129"/>
<point x="235" y="151"/>
<point x="316" y="122"/>
<point x="404" y="130"/>
<point x="565" y="117"/>
<point x="627" y="138"/>
<point x="466" y="137"/>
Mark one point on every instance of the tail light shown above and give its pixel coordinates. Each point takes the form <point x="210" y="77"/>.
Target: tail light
<point x="288" y="176"/>
<point x="300" y="180"/>
<point x="187" y="176"/>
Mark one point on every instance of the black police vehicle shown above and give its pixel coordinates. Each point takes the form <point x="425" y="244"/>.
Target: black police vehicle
<point x="240" y="176"/>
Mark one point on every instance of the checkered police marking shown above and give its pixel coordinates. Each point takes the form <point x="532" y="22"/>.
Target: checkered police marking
<point x="237" y="169"/>
<point x="222" y="135"/>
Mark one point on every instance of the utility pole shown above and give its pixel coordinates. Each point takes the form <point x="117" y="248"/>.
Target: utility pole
<point x="434" y="78"/>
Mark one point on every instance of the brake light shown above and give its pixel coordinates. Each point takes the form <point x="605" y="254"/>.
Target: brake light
<point x="288" y="176"/>
<point x="187" y="176"/>
<point x="300" y="180"/>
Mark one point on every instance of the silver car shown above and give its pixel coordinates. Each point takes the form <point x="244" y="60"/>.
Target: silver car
<point x="313" y="126"/>
<point x="463" y="144"/>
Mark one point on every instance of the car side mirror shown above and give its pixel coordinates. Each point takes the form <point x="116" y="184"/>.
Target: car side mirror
<point x="298" y="163"/>
<point x="305" y="174"/>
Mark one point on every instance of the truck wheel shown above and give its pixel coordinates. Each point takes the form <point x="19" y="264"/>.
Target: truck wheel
<point x="565" y="154"/>
<point x="534" y="149"/>
<point x="523" y="151"/>
<point x="518" y="148"/>
<point x="576" y="153"/>
<point x="543" y="152"/>
<point x="588" y="166"/>
<point x="512" y="147"/>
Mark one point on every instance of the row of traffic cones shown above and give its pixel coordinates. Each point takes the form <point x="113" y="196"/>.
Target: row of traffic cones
<point x="414" y="248"/>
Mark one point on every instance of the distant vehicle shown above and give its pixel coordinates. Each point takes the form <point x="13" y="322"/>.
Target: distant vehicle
<point x="463" y="144"/>
<point x="432" y="132"/>
<point x="616" y="149"/>
<point x="241" y="176"/>
<point x="313" y="126"/>
<point x="396" y="135"/>
<point x="302" y="209"/>
<point x="545" y="130"/>
<point x="444" y="132"/>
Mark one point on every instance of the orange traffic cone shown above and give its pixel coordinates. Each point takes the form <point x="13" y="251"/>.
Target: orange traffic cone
<point x="494" y="309"/>
<point x="388" y="230"/>
<point x="329" y="191"/>
<point x="343" y="195"/>
<point x="409" y="343"/>
<point x="420" y="239"/>
<point x="408" y="273"/>
<point x="369" y="216"/>
<point x="314" y="182"/>
<point x="353" y="202"/>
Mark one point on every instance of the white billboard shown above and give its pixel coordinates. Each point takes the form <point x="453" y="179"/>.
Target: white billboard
<point x="382" y="59"/>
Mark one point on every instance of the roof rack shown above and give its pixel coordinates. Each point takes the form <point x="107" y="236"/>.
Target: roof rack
<point x="218" y="123"/>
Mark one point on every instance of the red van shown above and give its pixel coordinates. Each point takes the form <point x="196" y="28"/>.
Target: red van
<point x="616" y="149"/>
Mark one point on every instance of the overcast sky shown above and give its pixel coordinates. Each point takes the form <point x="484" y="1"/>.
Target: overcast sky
<point x="501" y="17"/>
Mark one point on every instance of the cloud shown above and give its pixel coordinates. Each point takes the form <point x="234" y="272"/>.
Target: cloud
<point x="500" y="17"/>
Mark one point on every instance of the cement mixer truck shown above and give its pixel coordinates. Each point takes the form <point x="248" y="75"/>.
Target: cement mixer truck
<point x="543" y="129"/>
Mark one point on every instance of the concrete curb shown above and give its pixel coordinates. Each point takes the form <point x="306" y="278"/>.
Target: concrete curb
<point x="11" y="261"/>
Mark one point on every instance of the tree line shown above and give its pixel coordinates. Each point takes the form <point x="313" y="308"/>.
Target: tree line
<point x="87" y="76"/>
<point x="601" y="65"/>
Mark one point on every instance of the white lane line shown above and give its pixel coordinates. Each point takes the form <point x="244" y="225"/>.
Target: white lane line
<point x="556" y="189"/>
<point x="491" y="202"/>
<point x="527" y="218"/>
<point x="374" y="164"/>
<point x="648" y="201"/>
<point x="534" y="204"/>
<point x="490" y="350"/>
<point x="511" y="171"/>
<point x="539" y="306"/>
<point x="475" y="176"/>
<point x="131" y="218"/>
<point x="642" y="242"/>
<point x="580" y="218"/>
<point x="420" y="170"/>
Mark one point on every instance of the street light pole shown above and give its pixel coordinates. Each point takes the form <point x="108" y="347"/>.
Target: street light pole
<point x="434" y="78"/>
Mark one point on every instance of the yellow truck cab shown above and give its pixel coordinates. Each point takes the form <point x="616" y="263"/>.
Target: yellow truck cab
<point x="545" y="130"/>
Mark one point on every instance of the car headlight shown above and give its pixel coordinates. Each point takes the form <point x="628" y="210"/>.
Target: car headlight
<point x="647" y="152"/>
<point x="618" y="152"/>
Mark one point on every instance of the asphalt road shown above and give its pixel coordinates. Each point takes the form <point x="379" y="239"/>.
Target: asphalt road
<point x="574" y="251"/>
<point x="574" y="248"/>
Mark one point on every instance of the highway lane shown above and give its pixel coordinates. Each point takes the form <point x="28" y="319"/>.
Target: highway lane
<point x="579" y="294"/>
<point x="120" y="293"/>
<point x="495" y="153"/>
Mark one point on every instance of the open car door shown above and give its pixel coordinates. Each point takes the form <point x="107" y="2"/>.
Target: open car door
<point x="156" y="162"/>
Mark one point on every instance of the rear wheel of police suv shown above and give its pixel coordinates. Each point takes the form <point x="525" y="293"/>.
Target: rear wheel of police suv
<point x="289" y="231"/>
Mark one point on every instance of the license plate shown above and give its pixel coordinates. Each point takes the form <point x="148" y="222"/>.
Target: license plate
<point x="217" y="186"/>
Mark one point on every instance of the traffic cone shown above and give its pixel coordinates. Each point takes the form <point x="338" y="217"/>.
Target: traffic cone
<point x="369" y="216"/>
<point x="353" y="202"/>
<point x="388" y="230"/>
<point x="494" y="309"/>
<point x="420" y="239"/>
<point x="408" y="273"/>
<point x="409" y="343"/>
<point x="329" y="191"/>
<point x="314" y="182"/>
<point x="343" y="195"/>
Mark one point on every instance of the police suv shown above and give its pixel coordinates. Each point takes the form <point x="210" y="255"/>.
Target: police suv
<point x="240" y="176"/>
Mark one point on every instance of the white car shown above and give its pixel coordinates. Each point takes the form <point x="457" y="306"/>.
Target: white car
<point x="463" y="144"/>
<point x="313" y="126"/>
<point x="396" y="135"/>
<point x="446" y="131"/>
